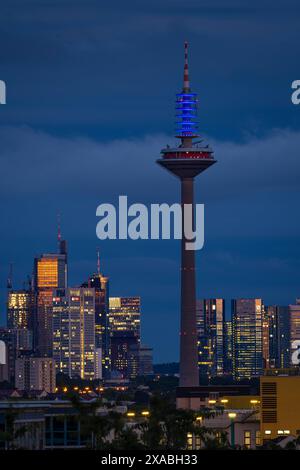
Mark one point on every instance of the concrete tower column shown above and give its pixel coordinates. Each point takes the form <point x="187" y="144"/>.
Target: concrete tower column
<point x="189" y="374"/>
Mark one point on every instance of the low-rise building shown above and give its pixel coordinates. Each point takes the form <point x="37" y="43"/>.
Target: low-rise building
<point x="279" y="396"/>
<point x="240" y="427"/>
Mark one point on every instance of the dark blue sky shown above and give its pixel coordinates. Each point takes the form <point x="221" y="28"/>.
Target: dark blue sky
<point x="90" y="103"/>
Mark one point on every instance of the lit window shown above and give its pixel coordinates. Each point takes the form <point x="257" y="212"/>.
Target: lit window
<point x="247" y="439"/>
<point x="190" y="441"/>
<point x="198" y="442"/>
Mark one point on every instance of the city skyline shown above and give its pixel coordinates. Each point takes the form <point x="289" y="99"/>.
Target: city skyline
<point x="212" y="315"/>
<point x="227" y="306"/>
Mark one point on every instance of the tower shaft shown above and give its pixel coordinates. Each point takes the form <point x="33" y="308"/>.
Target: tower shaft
<point x="189" y="374"/>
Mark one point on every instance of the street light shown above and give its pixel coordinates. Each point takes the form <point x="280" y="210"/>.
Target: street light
<point x="145" y="413"/>
<point x="232" y="417"/>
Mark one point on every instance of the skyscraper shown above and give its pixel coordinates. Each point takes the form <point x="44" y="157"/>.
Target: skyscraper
<point x="294" y="314"/>
<point x="279" y="336"/>
<point x="210" y="323"/>
<point x="186" y="162"/>
<point x="8" y="337"/>
<point x="283" y="322"/>
<point x="4" y="373"/>
<point x="265" y="339"/>
<point x="228" y="347"/>
<point x="50" y="274"/>
<point x="123" y="361"/>
<point x="100" y="283"/>
<point x="125" y="331"/>
<point x="20" y="309"/>
<point x="74" y="349"/>
<point x="35" y="373"/>
<point x="23" y="340"/>
<point x="125" y="315"/>
<point x="247" y="337"/>
<point x="145" y="360"/>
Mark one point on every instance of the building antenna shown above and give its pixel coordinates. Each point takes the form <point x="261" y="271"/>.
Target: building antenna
<point x="58" y="228"/>
<point x="98" y="261"/>
<point x="58" y="231"/>
<point x="29" y="282"/>
<point x="9" y="283"/>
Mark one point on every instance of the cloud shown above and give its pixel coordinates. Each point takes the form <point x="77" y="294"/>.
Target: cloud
<point x="262" y="163"/>
<point x="79" y="167"/>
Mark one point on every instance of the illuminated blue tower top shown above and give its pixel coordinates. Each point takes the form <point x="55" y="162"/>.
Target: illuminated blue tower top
<point x="186" y="106"/>
<point x="189" y="154"/>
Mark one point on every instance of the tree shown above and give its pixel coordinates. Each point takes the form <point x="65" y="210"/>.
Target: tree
<point x="167" y="427"/>
<point x="127" y="439"/>
<point x="11" y="433"/>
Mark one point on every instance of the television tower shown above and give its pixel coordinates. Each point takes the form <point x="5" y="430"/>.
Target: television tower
<point x="186" y="161"/>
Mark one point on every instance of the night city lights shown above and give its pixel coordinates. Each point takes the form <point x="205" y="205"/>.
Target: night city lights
<point x="149" y="317"/>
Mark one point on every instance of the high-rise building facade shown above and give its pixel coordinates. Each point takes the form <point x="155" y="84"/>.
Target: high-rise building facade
<point x="50" y="274"/>
<point x="8" y="338"/>
<point x="145" y="360"/>
<point x="4" y="376"/>
<point x="210" y="328"/>
<point x="140" y="360"/>
<point x="294" y="314"/>
<point x="100" y="284"/>
<point x="125" y="315"/>
<point x="125" y="331"/>
<point x="272" y="315"/>
<point x="228" y="348"/>
<point x="265" y="339"/>
<point x="247" y="317"/>
<point x="123" y="359"/>
<point x="279" y="336"/>
<point x="20" y="309"/>
<point x="35" y="373"/>
<point x="23" y="340"/>
<point x="73" y="340"/>
<point x="284" y="331"/>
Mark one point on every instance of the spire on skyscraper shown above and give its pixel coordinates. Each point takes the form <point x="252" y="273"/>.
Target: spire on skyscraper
<point x="98" y="261"/>
<point x="9" y="284"/>
<point x="58" y="230"/>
